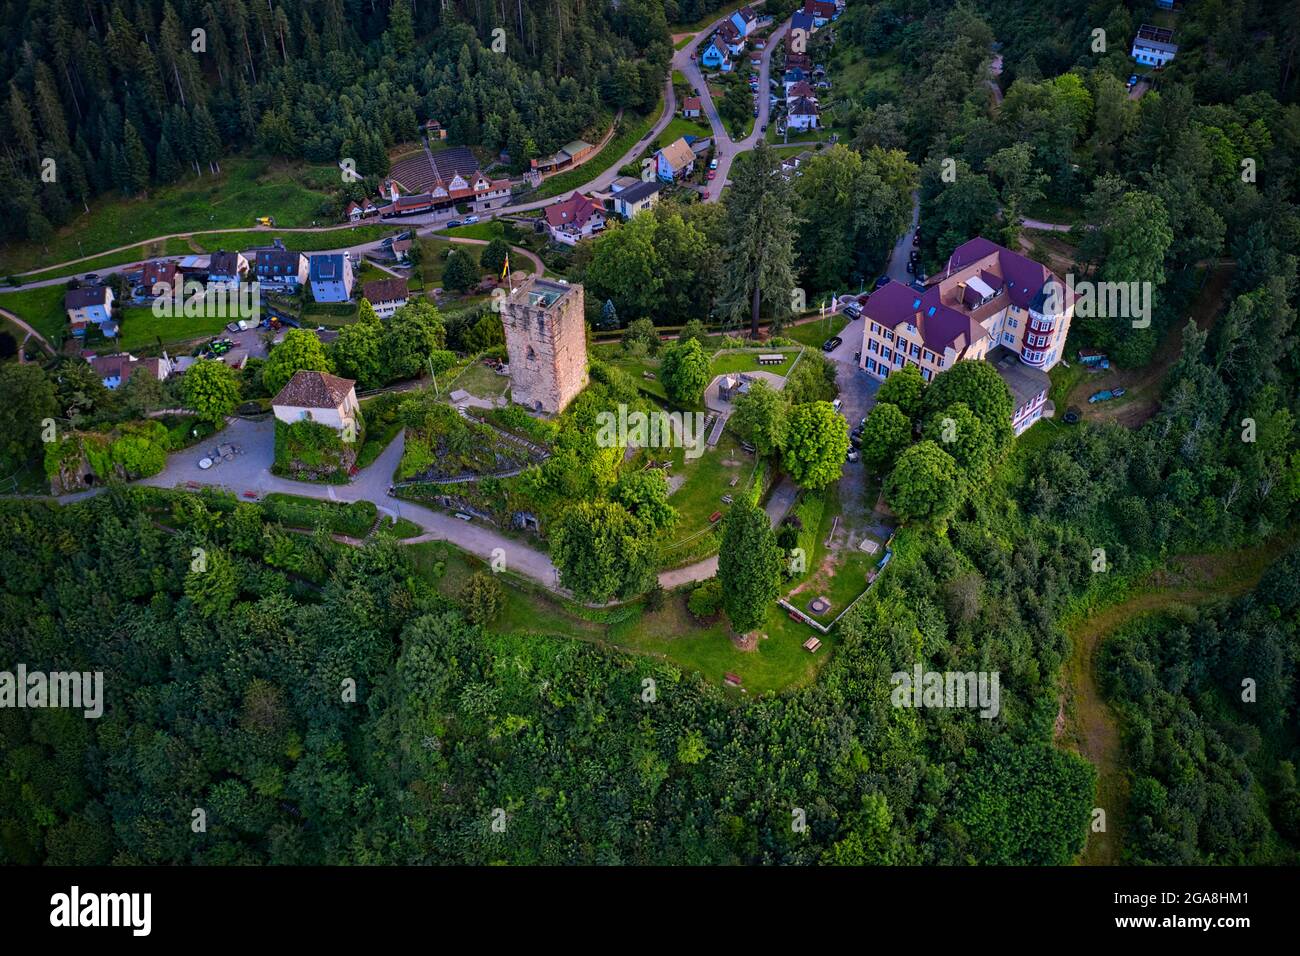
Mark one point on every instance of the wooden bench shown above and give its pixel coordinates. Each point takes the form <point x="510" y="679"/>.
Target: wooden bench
<point x="772" y="359"/>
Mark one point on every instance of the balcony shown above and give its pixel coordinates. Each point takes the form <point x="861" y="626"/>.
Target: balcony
<point x="1042" y="323"/>
<point x="1034" y="356"/>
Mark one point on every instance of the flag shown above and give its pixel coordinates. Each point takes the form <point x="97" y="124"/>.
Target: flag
<point x="505" y="266"/>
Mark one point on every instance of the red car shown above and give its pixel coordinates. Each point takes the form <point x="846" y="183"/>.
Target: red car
<point x="712" y="173"/>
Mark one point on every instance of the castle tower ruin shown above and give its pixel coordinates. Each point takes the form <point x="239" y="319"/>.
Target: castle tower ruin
<point x="546" y="338"/>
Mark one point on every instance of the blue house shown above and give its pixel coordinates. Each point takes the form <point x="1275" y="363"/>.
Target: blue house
<point x="331" y="277"/>
<point x="744" y="20"/>
<point x="715" y="55"/>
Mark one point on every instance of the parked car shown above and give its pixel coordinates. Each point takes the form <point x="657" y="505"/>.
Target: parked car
<point x="1132" y="80"/>
<point x="91" y="277"/>
<point x="232" y="326"/>
<point x="713" y="173"/>
<point x="755" y="111"/>
<point x="831" y="344"/>
<point x="470" y="220"/>
<point x="916" y="238"/>
<point x="911" y="268"/>
<point x="852" y="456"/>
<point x="706" y="194"/>
<point x="764" y="128"/>
<point x="713" y="164"/>
<point x="837" y="404"/>
<point x="852" y="311"/>
<point x="1105" y="395"/>
<point x="914" y="254"/>
<point x="882" y="282"/>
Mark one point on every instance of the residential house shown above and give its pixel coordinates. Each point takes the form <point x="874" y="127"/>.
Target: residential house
<point x="159" y="276"/>
<point x="575" y="218"/>
<point x="801" y="21"/>
<point x="803" y="113"/>
<point x="716" y="56"/>
<point x="433" y="129"/>
<point x="691" y="107"/>
<point x="331" y="277"/>
<point x="226" y="269"/>
<point x="1153" y="47"/>
<point x="798" y="61"/>
<point x="116" y="370"/>
<point x="745" y="20"/>
<point x="821" y="11"/>
<point x="802" y="88"/>
<point x="91" y="305"/>
<point x="793" y="76"/>
<point x="731" y="38"/>
<point x="572" y="153"/>
<point x="279" y="268"/>
<point x="318" y="397"/>
<point x="629" y="202"/>
<point x="385" y="295"/>
<point x="353" y="212"/>
<point x="675" y="160"/>
<point x="990" y="304"/>
<point x="401" y="250"/>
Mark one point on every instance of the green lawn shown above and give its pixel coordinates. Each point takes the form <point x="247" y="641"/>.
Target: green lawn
<point x="140" y="327"/>
<point x="247" y="188"/>
<point x="813" y="334"/>
<point x="480" y="381"/>
<point x="633" y="128"/>
<point x="735" y="360"/>
<point x="779" y="662"/>
<point x="299" y="241"/>
<point x="707" y="480"/>
<point x="139" y="253"/>
<point x="679" y="127"/>
<point x="41" y="308"/>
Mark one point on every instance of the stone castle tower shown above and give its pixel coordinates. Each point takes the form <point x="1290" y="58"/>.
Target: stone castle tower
<point x="546" y="338"/>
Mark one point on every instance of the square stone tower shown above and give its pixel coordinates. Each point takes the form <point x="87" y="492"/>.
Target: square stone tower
<point x="546" y="338"/>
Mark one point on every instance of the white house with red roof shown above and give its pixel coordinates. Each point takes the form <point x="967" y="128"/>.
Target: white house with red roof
<point x="576" y="218"/>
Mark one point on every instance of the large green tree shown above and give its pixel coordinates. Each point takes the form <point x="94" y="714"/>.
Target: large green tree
<point x="684" y="370"/>
<point x="924" y="485"/>
<point x="761" y="417"/>
<point x="815" y="444"/>
<point x="301" y="349"/>
<point x="211" y="390"/>
<point x="602" y="551"/>
<point x="887" y="432"/>
<point x="761" y="232"/>
<point x="749" y="565"/>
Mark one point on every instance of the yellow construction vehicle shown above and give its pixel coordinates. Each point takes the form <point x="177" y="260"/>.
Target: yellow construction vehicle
<point x="266" y="220"/>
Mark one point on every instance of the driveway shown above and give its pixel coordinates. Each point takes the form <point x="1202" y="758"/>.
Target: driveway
<point x="903" y="248"/>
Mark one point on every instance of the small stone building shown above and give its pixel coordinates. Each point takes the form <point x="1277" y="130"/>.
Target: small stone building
<point x="546" y="338"/>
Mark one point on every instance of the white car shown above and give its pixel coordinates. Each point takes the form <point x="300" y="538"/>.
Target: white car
<point x="837" y="404"/>
<point x="470" y="220"/>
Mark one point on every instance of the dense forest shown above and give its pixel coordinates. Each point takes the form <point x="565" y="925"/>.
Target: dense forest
<point x="1208" y="700"/>
<point x="122" y="95"/>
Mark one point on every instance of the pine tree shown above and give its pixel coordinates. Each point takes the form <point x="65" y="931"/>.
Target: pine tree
<point x="167" y="168"/>
<point x="749" y="565"/>
<point x="760" y="240"/>
<point x="136" y="159"/>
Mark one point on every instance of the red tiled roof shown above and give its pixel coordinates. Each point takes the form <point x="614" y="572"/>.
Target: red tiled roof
<point x="309" y="389"/>
<point x="384" y="290"/>
<point x="574" y="211"/>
